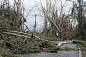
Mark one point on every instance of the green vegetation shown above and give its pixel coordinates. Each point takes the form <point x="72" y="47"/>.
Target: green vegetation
<point x="18" y="46"/>
<point x="84" y="53"/>
<point x="49" y="38"/>
<point x="52" y="51"/>
<point x="5" y="52"/>
<point x="82" y="45"/>
<point x="67" y="49"/>
<point x="31" y="49"/>
<point x="55" y="50"/>
<point x="6" y="55"/>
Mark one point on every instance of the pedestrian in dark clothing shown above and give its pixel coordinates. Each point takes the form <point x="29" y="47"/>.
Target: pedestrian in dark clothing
<point x="50" y="34"/>
<point x="60" y="35"/>
<point x="65" y="35"/>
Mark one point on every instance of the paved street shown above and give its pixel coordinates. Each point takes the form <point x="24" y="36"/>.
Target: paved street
<point x="70" y="45"/>
<point x="59" y="53"/>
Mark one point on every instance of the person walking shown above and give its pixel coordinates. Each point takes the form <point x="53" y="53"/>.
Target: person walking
<point x="60" y="35"/>
<point x="50" y="34"/>
<point x="65" y="35"/>
<point x="56" y="35"/>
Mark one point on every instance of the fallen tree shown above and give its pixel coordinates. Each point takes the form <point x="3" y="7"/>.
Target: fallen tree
<point x="21" y="45"/>
<point x="22" y="34"/>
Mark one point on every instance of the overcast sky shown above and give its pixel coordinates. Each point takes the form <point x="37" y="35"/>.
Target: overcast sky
<point x="29" y="4"/>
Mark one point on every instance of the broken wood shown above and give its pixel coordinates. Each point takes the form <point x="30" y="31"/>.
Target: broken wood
<point x="14" y="34"/>
<point x="8" y="41"/>
<point x="40" y="38"/>
<point x="21" y="33"/>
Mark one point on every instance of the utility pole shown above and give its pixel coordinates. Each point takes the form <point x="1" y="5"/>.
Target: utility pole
<point x="80" y="15"/>
<point x="35" y="25"/>
<point x="23" y="20"/>
<point x="45" y="23"/>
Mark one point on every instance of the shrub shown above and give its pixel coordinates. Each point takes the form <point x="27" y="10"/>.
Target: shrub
<point x="35" y="51"/>
<point x="52" y="51"/>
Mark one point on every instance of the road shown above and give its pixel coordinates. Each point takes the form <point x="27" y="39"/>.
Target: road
<point x="70" y="45"/>
<point x="71" y="53"/>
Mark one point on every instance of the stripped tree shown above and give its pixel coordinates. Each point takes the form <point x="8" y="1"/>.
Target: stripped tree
<point x="58" y="22"/>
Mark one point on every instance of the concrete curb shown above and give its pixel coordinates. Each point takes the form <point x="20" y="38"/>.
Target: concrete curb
<point x="80" y="55"/>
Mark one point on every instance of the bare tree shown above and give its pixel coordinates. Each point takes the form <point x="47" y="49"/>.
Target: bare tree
<point x="57" y="22"/>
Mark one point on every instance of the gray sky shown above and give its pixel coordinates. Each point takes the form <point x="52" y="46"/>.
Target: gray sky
<point x="29" y="4"/>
